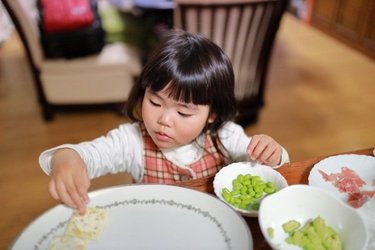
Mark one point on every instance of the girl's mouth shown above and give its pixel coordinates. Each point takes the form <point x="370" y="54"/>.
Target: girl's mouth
<point x="162" y="136"/>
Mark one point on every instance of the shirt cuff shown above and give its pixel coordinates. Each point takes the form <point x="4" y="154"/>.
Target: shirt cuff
<point x="45" y="157"/>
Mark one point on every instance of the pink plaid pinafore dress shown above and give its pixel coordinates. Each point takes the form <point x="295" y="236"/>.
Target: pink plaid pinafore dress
<point x="158" y="169"/>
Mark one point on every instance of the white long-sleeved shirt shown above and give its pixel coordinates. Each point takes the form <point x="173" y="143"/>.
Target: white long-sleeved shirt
<point x="121" y="150"/>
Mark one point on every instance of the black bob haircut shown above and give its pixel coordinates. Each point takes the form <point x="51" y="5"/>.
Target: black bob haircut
<point x="194" y="70"/>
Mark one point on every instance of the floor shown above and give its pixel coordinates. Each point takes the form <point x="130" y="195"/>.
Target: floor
<point x="319" y="101"/>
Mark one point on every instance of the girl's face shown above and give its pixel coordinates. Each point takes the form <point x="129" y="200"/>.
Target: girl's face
<point x="172" y="123"/>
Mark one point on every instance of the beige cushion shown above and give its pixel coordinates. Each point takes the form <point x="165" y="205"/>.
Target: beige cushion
<point x="113" y="57"/>
<point x="106" y="77"/>
<point x="87" y="88"/>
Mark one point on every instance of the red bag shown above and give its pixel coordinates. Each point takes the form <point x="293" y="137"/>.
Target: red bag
<point x="66" y="15"/>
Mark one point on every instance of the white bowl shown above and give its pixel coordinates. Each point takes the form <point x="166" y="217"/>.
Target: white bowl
<point x="302" y="203"/>
<point x="226" y="175"/>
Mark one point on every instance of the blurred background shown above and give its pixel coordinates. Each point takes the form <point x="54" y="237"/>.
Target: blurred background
<point x="318" y="98"/>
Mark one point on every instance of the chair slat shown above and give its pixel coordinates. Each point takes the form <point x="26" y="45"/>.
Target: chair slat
<point x="233" y="19"/>
<point x="241" y="52"/>
<point x="191" y="22"/>
<point x="219" y="29"/>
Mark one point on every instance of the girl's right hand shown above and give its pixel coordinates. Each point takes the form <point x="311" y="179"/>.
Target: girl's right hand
<point x="69" y="179"/>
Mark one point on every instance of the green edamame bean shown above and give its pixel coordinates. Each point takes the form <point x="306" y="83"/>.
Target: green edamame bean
<point x="247" y="190"/>
<point x="258" y="188"/>
<point x="240" y="177"/>
<point x="235" y="192"/>
<point x="269" y="190"/>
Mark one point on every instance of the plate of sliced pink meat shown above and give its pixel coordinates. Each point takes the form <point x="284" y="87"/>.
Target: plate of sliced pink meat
<point x="350" y="177"/>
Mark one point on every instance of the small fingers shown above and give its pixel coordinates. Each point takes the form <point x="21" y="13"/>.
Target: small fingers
<point x="82" y="188"/>
<point x="256" y="147"/>
<point x="52" y="190"/>
<point x="80" y="204"/>
<point x="70" y="181"/>
<point x="58" y="191"/>
<point x="253" y="144"/>
<point x="79" y="201"/>
<point x="68" y="194"/>
<point x="63" y="194"/>
<point x="273" y="159"/>
<point x="268" y="153"/>
<point x="265" y="150"/>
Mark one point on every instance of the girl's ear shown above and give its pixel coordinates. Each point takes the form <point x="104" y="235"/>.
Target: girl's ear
<point x="211" y="118"/>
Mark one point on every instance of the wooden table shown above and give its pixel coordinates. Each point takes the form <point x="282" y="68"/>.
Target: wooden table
<point x="294" y="173"/>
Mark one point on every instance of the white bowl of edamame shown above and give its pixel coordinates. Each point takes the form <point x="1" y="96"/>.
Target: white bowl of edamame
<point x="243" y="185"/>
<point x="307" y="217"/>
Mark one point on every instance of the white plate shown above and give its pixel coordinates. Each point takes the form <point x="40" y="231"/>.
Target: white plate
<point x="226" y="175"/>
<point x="150" y="217"/>
<point x="362" y="178"/>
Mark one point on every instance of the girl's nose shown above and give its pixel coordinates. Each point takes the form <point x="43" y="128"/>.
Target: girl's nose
<point x="165" y="119"/>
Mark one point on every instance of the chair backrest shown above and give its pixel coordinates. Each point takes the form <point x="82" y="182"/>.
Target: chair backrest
<point x="244" y="29"/>
<point x="24" y="15"/>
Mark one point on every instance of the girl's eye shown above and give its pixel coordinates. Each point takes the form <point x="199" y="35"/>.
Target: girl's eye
<point x="184" y="114"/>
<point x="154" y="103"/>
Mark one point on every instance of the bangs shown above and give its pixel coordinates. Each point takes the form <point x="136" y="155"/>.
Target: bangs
<point x="182" y="85"/>
<point x="189" y="91"/>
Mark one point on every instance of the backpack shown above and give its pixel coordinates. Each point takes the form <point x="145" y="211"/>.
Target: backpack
<point x="70" y="28"/>
<point x="66" y="15"/>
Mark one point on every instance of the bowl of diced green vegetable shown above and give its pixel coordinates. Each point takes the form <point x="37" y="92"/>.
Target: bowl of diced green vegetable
<point x="244" y="185"/>
<point x="306" y="217"/>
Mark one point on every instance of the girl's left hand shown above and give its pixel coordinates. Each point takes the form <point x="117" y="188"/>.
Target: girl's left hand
<point x="265" y="150"/>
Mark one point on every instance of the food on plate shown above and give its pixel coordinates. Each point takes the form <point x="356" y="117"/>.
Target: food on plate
<point x="271" y="232"/>
<point x="64" y="242"/>
<point x="314" y="235"/>
<point x="290" y="226"/>
<point x="79" y="230"/>
<point x="349" y="182"/>
<point x="88" y="226"/>
<point x="247" y="191"/>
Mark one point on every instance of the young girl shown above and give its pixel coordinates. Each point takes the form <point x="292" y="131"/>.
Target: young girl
<point x="181" y="108"/>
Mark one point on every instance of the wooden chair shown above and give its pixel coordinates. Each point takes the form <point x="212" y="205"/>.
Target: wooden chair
<point x="245" y="30"/>
<point x="101" y="80"/>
